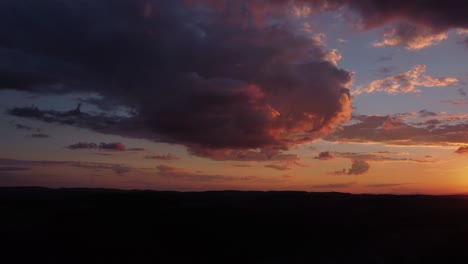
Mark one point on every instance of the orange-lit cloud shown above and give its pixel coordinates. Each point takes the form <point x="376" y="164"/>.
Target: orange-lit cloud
<point x="406" y="82"/>
<point x="411" y="37"/>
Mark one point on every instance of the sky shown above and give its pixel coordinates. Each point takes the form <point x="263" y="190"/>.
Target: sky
<point x="193" y="95"/>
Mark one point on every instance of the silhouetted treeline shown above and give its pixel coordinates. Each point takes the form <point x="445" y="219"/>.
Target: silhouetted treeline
<point x="39" y="225"/>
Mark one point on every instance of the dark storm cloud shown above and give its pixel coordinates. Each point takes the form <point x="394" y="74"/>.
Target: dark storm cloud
<point x="193" y="76"/>
<point x="415" y="23"/>
<point x="213" y="78"/>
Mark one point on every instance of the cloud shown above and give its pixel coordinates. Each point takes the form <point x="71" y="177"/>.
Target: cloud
<point x="167" y="157"/>
<point x="262" y="155"/>
<point x="411" y="37"/>
<point x="326" y="155"/>
<point x="117" y="168"/>
<point x="83" y="145"/>
<point x="21" y="165"/>
<point x="10" y="169"/>
<point x="341" y="41"/>
<point x="114" y="146"/>
<point x="243" y="165"/>
<point x="117" y="146"/>
<point x="386" y="185"/>
<point x="136" y="149"/>
<point x="405" y="82"/>
<point x="280" y="167"/>
<point x="426" y="113"/>
<point x="407" y="129"/>
<point x="334" y="185"/>
<point x="272" y="89"/>
<point x="358" y="167"/>
<point x="379" y="157"/>
<point x="462" y="150"/>
<point x="455" y="102"/>
<point x="180" y="174"/>
<point x="462" y="92"/>
<point x="23" y="127"/>
<point x="360" y="161"/>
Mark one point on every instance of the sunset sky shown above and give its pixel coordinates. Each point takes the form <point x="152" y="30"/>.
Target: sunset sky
<point x="309" y="95"/>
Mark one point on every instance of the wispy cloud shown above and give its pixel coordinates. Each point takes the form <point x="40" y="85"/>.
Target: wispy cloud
<point x="334" y="185"/>
<point x="166" y="157"/>
<point x="114" y="146"/>
<point x="411" y="37"/>
<point x="406" y="82"/>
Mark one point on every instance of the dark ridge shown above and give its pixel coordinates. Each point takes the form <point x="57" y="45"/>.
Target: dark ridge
<point x="40" y="225"/>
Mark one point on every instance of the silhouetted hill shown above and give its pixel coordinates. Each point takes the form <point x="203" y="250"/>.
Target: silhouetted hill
<point x="39" y="225"/>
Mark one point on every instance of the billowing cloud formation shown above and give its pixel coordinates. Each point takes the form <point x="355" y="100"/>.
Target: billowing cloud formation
<point x="405" y="82"/>
<point x="411" y="37"/>
<point x="271" y="89"/>
<point x="419" y="23"/>
<point x="358" y="167"/>
<point x="117" y="146"/>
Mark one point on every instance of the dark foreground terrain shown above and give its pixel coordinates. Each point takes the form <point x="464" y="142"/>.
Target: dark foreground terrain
<point x="108" y="226"/>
